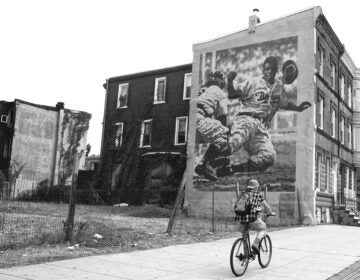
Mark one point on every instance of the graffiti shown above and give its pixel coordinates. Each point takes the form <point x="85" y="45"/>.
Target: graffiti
<point x="247" y="101"/>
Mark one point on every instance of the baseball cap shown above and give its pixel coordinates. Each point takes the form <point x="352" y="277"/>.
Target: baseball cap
<point x="253" y="184"/>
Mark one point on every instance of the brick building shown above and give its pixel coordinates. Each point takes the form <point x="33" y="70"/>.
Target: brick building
<point x="143" y="151"/>
<point x="39" y="143"/>
<point x="312" y="160"/>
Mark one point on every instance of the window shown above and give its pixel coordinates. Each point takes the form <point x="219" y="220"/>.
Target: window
<point x="342" y="87"/>
<point x="12" y="116"/>
<point x="160" y="86"/>
<point x="333" y="122"/>
<point x="347" y="173"/>
<point x="350" y="96"/>
<point x="317" y="171"/>
<point x="181" y="130"/>
<point x="327" y="174"/>
<point x="4" y="118"/>
<point x="357" y="99"/>
<point x="6" y="149"/>
<point x="145" y="138"/>
<point x="187" y="86"/>
<point x="321" y="61"/>
<point x="350" y="135"/>
<point x="333" y="75"/>
<point x="320" y="122"/>
<point x="119" y="134"/>
<point x="342" y="130"/>
<point x="122" y="96"/>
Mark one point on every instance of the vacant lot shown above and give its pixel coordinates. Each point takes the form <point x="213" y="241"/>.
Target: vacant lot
<point x="33" y="232"/>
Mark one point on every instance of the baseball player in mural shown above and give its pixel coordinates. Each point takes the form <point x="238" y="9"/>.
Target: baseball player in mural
<point x="261" y="98"/>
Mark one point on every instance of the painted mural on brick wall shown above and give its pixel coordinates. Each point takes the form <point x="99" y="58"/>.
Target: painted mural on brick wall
<point x="246" y="116"/>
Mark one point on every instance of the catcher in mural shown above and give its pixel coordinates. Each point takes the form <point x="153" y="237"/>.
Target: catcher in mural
<point x="261" y="98"/>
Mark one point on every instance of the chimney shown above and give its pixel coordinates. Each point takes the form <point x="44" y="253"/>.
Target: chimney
<point x="253" y="20"/>
<point x="60" y="105"/>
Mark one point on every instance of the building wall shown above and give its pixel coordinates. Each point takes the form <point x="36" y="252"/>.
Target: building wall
<point x="6" y="132"/>
<point x="295" y="150"/>
<point x="33" y="145"/>
<point x="125" y="169"/>
<point x="44" y="144"/>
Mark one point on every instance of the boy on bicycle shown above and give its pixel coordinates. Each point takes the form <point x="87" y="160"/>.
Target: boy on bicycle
<point x="250" y="214"/>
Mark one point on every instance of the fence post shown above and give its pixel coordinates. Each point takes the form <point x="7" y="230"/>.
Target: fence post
<point x="69" y="224"/>
<point x="178" y="200"/>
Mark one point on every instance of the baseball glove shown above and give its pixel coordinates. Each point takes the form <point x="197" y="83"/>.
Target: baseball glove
<point x="290" y="71"/>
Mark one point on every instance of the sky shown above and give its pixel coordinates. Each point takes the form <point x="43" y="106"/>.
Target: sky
<point x="53" y="51"/>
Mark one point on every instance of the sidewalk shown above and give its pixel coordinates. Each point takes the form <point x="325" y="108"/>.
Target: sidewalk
<point x="316" y="252"/>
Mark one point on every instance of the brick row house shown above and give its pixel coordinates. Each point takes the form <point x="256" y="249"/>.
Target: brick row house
<point x="143" y="152"/>
<point x="335" y="171"/>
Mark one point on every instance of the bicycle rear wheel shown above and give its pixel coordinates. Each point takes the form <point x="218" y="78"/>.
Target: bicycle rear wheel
<point x="265" y="251"/>
<point x="239" y="257"/>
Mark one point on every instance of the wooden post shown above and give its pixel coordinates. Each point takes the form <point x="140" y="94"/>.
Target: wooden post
<point x="179" y="197"/>
<point x="213" y="209"/>
<point x="69" y="224"/>
<point x="299" y="207"/>
<point x="237" y="191"/>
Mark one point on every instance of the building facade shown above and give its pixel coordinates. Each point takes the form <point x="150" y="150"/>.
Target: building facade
<point x="38" y="144"/>
<point x="143" y="151"/>
<point x="290" y="105"/>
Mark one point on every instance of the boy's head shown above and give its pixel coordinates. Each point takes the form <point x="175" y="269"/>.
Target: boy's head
<point x="253" y="185"/>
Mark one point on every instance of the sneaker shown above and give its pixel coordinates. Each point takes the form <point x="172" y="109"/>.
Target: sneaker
<point x="255" y="249"/>
<point x="207" y="171"/>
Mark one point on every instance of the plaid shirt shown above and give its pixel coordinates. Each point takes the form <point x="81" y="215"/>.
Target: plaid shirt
<point x="254" y="200"/>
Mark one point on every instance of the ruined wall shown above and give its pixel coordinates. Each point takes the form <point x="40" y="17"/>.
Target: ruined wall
<point x="46" y="140"/>
<point x="289" y="178"/>
<point x="33" y="145"/>
<point x="71" y="141"/>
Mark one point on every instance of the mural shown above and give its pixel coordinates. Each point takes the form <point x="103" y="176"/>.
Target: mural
<point x="246" y="115"/>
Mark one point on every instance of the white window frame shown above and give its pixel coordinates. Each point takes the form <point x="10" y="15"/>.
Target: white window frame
<point x="350" y="95"/>
<point x="333" y="122"/>
<point x="118" y="140"/>
<point x="321" y="61"/>
<point x="4" y="118"/>
<point x="187" y="78"/>
<point x="333" y="75"/>
<point x="321" y="112"/>
<point x="342" y="130"/>
<point x="121" y="86"/>
<point x="318" y="166"/>
<point x="342" y="86"/>
<point x="143" y="133"/>
<point x="350" y="135"/>
<point x="177" y="124"/>
<point x="157" y="80"/>
<point x="347" y="172"/>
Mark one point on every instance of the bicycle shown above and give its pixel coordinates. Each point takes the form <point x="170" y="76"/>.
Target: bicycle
<point x="241" y="253"/>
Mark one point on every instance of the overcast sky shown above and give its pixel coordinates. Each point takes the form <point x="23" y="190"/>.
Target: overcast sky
<point x="65" y="50"/>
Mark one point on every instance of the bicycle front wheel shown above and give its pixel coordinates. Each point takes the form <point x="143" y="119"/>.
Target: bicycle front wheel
<point x="265" y="251"/>
<point x="239" y="257"/>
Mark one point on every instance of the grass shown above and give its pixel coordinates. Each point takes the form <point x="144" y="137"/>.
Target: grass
<point x="32" y="232"/>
